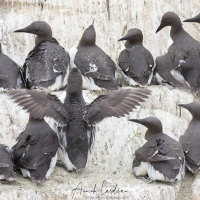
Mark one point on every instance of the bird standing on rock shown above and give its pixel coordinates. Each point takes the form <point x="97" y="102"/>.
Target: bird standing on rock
<point x="181" y="65"/>
<point x="161" y="157"/>
<point x="46" y="66"/>
<point x="75" y="121"/>
<point x="97" y="68"/>
<point x="136" y="61"/>
<point x="11" y="76"/>
<point x="190" y="140"/>
<point x="35" y="152"/>
<point x="7" y="172"/>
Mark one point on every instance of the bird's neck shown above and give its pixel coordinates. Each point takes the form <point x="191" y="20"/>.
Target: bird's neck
<point x="150" y="133"/>
<point x="39" y="39"/>
<point x="74" y="93"/>
<point x="176" y="31"/>
<point x="129" y="44"/>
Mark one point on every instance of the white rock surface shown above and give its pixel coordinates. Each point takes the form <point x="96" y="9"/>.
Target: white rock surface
<point x="112" y="19"/>
<point x="113" y="151"/>
<point x="195" y="187"/>
<point x="110" y="161"/>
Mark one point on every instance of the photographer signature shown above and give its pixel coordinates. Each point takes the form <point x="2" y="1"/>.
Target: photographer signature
<point x="103" y="190"/>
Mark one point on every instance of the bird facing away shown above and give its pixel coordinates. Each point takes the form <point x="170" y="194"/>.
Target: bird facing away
<point x="11" y="76"/>
<point x="190" y="140"/>
<point x="35" y="150"/>
<point x="161" y="157"/>
<point x="194" y="19"/>
<point x="46" y="66"/>
<point x="181" y="65"/>
<point x="136" y="62"/>
<point x="6" y="164"/>
<point x="76" y="120"/>
<point x="97" y="68"/>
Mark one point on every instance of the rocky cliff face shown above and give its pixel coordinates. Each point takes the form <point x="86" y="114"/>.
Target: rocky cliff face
<point x="108" y="174"/>
<point x="112" y="19"/>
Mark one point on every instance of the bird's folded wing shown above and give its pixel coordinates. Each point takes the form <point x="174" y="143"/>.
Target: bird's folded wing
<point x="171" y="61"/>
<point x="40" y="104"/>
<point x="159" y="157"/>
<point x="124" y="60"/>
<point x="50" y="144"/>
<point x="116" y="103"/>
<point x="149" y="58"/>
<point x="100" y="76"/>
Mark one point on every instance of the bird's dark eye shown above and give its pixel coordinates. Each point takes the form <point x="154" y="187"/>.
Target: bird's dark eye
<point x="36" y="30"/>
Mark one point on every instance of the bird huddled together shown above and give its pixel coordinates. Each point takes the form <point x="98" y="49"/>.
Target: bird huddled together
<point x="49" y="67"/>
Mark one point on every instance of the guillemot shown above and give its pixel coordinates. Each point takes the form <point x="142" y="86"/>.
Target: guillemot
<point x="190" y="140"/>
<point x="7" y="172"/>
<point x="180" y="66"/>
<point x="46" y="66"/>
<point x="161" y="157"/>
<point x="75" y="121"/>
<point x="136" y="62"/>
<point x="11" y="76"/>
<point x="35" y="152"/>
<point x="97" y="68"/>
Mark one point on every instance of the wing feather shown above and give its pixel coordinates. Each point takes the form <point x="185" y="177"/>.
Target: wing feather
<point x="40" y="104"/>
<point x="116" y="103"/>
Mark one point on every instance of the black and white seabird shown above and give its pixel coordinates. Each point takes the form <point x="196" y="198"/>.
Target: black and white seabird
<point x="11" y="76"/>
<point x="35" y="152"/>
<point x="194" y="19"/>
<point x="97" y="68"/>
<point x="76" y="120"/>
<point x="46" y="66"/>
<point x="7" y="172"/>
<point x="161" y="157"/>
<point x="190" y="140"/>
<point x="136" y="62"/>
<point x="181" y="65"/>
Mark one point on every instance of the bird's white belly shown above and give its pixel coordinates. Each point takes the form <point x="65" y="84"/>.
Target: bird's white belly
<point x="141" y="170"/>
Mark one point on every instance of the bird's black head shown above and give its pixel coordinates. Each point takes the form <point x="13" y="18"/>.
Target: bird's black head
<point x="39" y="28"/>
<point x="193" y="108"/>
<point x="89" y="36"/>
<point x="153" y="124"/>
<point x="134" y="36"/>
<point x="169" y="19"/>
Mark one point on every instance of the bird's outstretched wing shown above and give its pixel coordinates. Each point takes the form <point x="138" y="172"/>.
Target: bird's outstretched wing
<point x="40" y="104"/>
<point x="116" y="103"/>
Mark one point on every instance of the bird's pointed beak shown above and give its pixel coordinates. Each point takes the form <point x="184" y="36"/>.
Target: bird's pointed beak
<point x="159" y="28"/>
<point x="23" y="30"/>
<point x="183" y="106"/>
<point x="125" y="37"/>
<point x="139" y="121"/>
<point x="190" y="20"/>
<point x="93" y="22"/>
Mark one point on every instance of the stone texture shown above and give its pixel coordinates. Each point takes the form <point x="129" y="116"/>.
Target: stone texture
<point x="110" y="161"/>
<point x="195" y="187"/>
<point x="116" y="139"/>
<point x="112" y="19"/>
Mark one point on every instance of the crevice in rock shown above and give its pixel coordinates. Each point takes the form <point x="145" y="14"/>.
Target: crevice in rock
<point x="108" y="8"/>
<point x="185" y="191"/>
